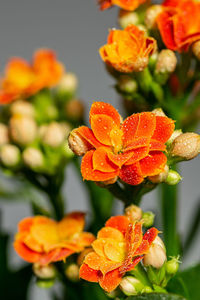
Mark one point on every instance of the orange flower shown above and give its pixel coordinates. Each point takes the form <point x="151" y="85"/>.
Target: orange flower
<point x="128" y="50"/>
<point x="131" y="150"/>
<point x="44" y="240"/>
<point x="125" y="4"/>
<point x="119" y="247"/>
<point x="23" y="79"/>
<point x="179" y="24"/>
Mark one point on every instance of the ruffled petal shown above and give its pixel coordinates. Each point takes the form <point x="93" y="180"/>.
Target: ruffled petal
<point x="118" y="222"/>
<point x="101" y="108"/>
<point x="153" y="164"/>
<point x="98" y="246"/>
<point x="131" y="174"/>
<point x="26" y="253"/>
<point x="88" y="274"/>
<point x="156" y="146"/>
<point x="150" y="235"/>
<point x="114" y="250"/>
<point x="71" y="224"/>
<point x="101" y="162"/>
<point x="89" y="173"/>
<point x="110" y="232"/>
<point x="55" y="255"/>
<point x="143" y="248"/>
<point x="85" y="239"/>
<point x="88" y="135"/>
<point x="101" y="127"/>
<point x="164" y="129"/>
<point x="137" y="143"/>
<point x="129" y="128"/>
<point x="110" y="281"/>
<point x="138" y="154"/>
<point x="25" y="224"/>
<point x="93" y="260"/>
<point x="120" y="159"/>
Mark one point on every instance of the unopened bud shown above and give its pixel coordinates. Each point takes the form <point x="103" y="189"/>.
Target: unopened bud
<point x="105" y="183"/>
<point x="174" y="135"/>
<point x="45" y="284"/>
<point x="173" y="178"/>
<point x="186" y="146"/>
<point x="67" y="151"/>
<point x="151" y="15"/>
<point x="196" y="49"/>
<point x="166" y="62"/>
<point x="160" y="177"/>
<point x="148" y="218"/>
<point x="24" y="108"/>
<point x="53" y="134"/>
<point x="68" y="83"/>
<point x="33" y="158"/>
<point x="83" y="254"/>
<point x="77" y="143"/>
<point x="44" y="271"/>
<point x="72" y="272"/>
<point x="4" y="136"/>
<point x="133" y="212"/>
<point x="156" y="255"/>
<point x="147" y="290"/>
<point x="23" y="130"/>
<point x="159" y="112"/>
<point x="131" y="286"/>
<point x="127" y="18"/>
<point x="9" y="155"/>
<point x="172" y="266"/>
<point x="74" y="109"/>
<point x="127" y="84"/>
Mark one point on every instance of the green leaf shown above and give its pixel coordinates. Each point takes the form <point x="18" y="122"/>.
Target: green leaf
<point x="186" y="283"/>
<point x="156" y="297"/>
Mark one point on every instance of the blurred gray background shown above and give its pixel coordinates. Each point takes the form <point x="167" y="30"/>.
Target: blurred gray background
<point x="76" y="29"/>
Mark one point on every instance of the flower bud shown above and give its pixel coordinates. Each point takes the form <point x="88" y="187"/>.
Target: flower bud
<point x="77" y="143"/>
<point x="196" y="49"/>
<point x="161" y="177"/>
<point x="133" y="212"/>
<point x="151" y="15"/>
<point x="68" y="83"/>
<point x="9" y="155"/>
<point x="127" y="18"/>
<point x="186" y="146"/>
<point x="83" y="254"/>
<point x="44" y="271"/>
<point x="67" y="151"/>
<point x="74" y="109"/>
<point x="24" y="108"/>
<point x="33" y="158"/>
<point x="104" y="184"/>
<point x="4" y="136"/>
<point x="45" y="284"/>
<point x="173" y="178"/>
<point x="23" y="130"/>
<point x="156" y="255"/>
<point x="131" y="286"/>
<point x="172" y="266"/>
<point x="159" y="112"/>
<point x="166" y="62"/>
<point x="53" y="134"/>
<point x="174" y="135"/>
<point x="148" y="218"/>
<point x="72" y="272"/>
<point x="127" y="84"/>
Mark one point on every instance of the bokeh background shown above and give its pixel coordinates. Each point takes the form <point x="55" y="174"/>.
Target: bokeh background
<point x="75" y="29"/>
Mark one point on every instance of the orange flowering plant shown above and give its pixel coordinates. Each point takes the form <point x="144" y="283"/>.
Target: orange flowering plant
<point x="125" y="4"/>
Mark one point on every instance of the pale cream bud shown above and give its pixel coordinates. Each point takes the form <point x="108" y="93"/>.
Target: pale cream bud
<point x="151" y="15"/>
<point x="186" y="146"/>
<point x="21" y="107"/>
<point x="68" y="83"/>
<point x="130" y="285"/>
<point x="77" y="143"/>
<point x="173" y="178"/>
<point x="160" y="177"/>
<point x="4" y="136"/>
<point x="106" y="182"/>
<point x="174" y="135"/>
<point x="127" y="84"/>
<point x="127" y="18"/>
<point x="44" y="271"/>
<point x="133" y="212"/>
<point x="159" y="112"/>
<point x="66" y="127"/>
<point x="74" y="109"/>
<point x="33" y="157"/>
<point x="9" y="155"/>
<point x="53" y="134"/>
<point x="23" y="130"/>
<point x="159" y="241"/>
<point x="196" y="49"/>
<point x="166" y="62"/>
<point x="72" y="272"/>
<point x="155" y="257"/>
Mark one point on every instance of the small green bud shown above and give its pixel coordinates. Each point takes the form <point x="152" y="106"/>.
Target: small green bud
<point x="148" y="218"/>
<point x="131" y="286"/>
<point x="72" y="272"/>
<point x="127" y="84"/>
<point x="173" y="178"/>
<point x="45" y="284"/>
<point x="172" y="266"/>
<point x="44" y="272"/>
<point x="147" y="289"/>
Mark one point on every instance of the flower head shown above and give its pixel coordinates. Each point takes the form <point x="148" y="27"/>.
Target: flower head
<point x="128" y="50"/>
<point x="23" y="79"/>
<point x="44" y="240"/>
<point x="119" y="247"/>
<point x="125" y="4"/>
<point x="132" y="150"/>
<point x="179" y="24"/>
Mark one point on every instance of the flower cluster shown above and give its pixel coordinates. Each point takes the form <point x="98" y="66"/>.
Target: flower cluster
<point x="125" y="4"/>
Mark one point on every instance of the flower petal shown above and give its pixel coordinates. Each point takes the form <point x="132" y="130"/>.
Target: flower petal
<point x="118" y="222"/>
<point x="114" y="250"/>
<point x="165" y="25"/>
<point x="93" y="260"/>
<point x="88" y="274"/>
<point x="137" y="143"/>
<point x="89" y="173"/>
<point x="150" y="235"/>
<point x="101" y="162"/>
<point x="120" y="159"/>
<point x="110" y="232"/>
<point x="131" y="174"/>
<point x="138" y="154"/>
<point x="110" y="281"/>
<point x="26" y="253"/>
<point x="71" y="224"/>
<point x="146" y="125"/>
<point x="156" y="146"/>
<point x="101" y="127"/>
<point x="25" y="224"/>
<point x="164" y="129"/>
<point x="153" y="164"/>
<point x="129" y="128"/>
<point x="88" y="135"/>
<point x="102" y="108"/>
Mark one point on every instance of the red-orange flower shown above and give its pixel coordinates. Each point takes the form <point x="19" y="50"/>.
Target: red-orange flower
<point x="44" y="240"/>
<point x="125" y="4"/>
<point x="119" y="247"/>
<point x="132" y="150"/>
<point x="179" y="24"/>
<point x="23" y="79"/>
<point x="128" y="50"/>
